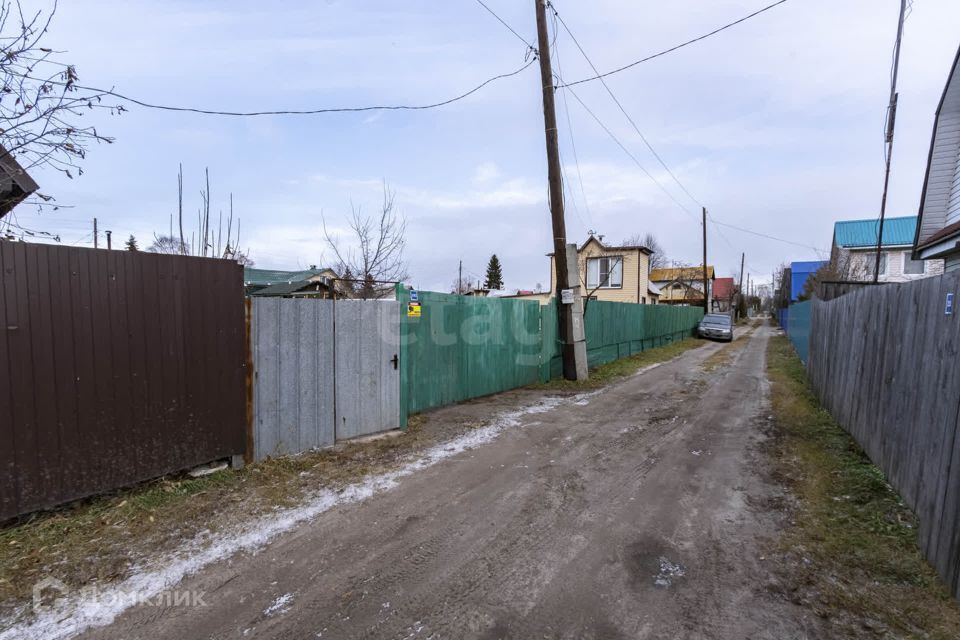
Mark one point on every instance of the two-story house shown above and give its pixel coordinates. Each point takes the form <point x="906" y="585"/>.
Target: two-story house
<point x="854" y="251"/>
<point x="612" y="273"/>
<point x="937" y="233"/>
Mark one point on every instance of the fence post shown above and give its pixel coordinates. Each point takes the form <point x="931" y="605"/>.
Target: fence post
<point x="403" y="332"/>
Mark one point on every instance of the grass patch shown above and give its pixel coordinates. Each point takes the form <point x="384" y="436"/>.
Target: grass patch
<point x="851" y="552"/>
<point x="606" y="373"/>
<point x="97" y="540"/>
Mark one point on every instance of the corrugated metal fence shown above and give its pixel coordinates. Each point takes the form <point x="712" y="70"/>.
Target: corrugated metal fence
<point x="883" y="361"/>
<point x="465" y="347"/>
<point x="117" y="367"/>
<point x="795" y="322"/>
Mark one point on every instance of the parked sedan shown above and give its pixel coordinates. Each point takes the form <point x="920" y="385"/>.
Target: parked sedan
<point x="718" y="326"/>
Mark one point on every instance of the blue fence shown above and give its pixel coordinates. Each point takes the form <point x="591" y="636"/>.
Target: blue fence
<point x="795" y="322"/>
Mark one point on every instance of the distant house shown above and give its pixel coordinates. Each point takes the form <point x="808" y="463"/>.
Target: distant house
<point x="312" y="282"/>
<point x="800" y="272"/>
<point x="612" y="273"/>
<point x="937" y="232"/>
<point x="683" y="285"/>
<point x="15" y="183"/>
<point x="855" y="250"/>
<point x="724" y="295"/>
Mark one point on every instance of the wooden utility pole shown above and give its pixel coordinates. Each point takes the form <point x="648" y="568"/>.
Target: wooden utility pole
<point x="891" y="124"/>
<point x="706" y="291"/>
<point x="95" y="233"/>
<point x="743" y="258"/>
<point x="569" y="329"/>
<point x="460" y="279"/>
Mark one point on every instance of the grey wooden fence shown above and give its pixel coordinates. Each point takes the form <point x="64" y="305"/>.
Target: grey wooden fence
<point x="293" y="377"/>
<point x="323" y="370"/>
<point x="883" y="361"/>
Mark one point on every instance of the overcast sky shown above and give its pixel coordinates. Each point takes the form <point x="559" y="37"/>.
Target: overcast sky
<point x="775" y="125"/>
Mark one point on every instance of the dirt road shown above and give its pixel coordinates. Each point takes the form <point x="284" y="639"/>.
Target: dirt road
<point x="636" y="512"/>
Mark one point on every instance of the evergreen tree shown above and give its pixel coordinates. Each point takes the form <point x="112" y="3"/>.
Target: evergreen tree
<point x="494" y="274"/>
<point x="131" y="244"/>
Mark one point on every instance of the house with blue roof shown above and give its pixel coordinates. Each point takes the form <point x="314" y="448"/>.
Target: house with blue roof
<point x="854" y="251"/>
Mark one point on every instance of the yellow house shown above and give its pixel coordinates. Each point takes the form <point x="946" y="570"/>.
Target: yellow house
<point x="683" y="285"/>
<point x="615" y="274"/>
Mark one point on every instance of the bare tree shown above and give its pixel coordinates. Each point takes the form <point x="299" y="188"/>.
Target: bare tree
<point x="168" y="245"/>
<point x="205" y="241"/>
<point x="461" y="286"/>
<point x="659" y="259"/>
<point x="374" y="251"/>
<point x="41" y="103"/>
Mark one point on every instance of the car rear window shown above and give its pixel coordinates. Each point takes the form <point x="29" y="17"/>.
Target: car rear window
<point x="716" y="319"/>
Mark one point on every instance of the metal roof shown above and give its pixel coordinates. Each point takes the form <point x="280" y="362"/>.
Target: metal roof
<point x="863" y="233"/>
<point x="680" y="273"/>
<point x="287" y="288"/>
<point x="267" y="277"/>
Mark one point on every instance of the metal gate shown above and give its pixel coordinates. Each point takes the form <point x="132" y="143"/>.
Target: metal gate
<point x="323" y="371"/>
<point x="367" y="339"/>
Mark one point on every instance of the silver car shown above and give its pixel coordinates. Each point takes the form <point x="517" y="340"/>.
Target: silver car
<point x="717" y="326"/>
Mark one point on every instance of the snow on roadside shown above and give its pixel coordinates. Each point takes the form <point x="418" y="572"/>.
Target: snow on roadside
<point x="73" y="614"/>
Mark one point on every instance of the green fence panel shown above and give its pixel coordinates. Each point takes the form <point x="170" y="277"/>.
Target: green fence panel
<point x="617" y="330"/>
<point x="463" y="347"/>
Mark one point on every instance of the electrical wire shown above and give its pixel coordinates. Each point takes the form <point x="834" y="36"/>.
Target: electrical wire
<point x="555" y="54"/>
<point x="767" y="236"/>
<point x="621" y="107"/>
<point x="530" y="47"/>
<point x="674" y="48"/>
<point x="294" y="112"/>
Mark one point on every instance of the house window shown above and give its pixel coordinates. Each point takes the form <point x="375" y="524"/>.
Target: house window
<point x="912" y="267"/>
<point x="643" y="300"/>
<point x="872" y="261"/>
<point x="605" y="273"/>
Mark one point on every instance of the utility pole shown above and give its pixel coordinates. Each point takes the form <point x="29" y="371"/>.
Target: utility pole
<point x="706" y="291"/>
<point x="95" y="233"/>
<point x="891" y="124"/>
<point x="570" y="318"/>
<point x="743" y="257"/>
<point x="109" y="244"/>
<point x="460" y="279"/>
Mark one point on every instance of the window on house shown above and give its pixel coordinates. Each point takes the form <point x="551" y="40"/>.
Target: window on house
<point x="912" y="267"/>
<point x="643" y="300"/>
<point x="872" y="261"/>
<point x="605" y="273"/>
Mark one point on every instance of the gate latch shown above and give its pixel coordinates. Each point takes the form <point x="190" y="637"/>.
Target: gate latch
<point x="395" y="360"/>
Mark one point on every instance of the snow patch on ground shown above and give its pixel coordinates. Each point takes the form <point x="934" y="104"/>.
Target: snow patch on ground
<point x="73" y="614"/>
<point x="280" y="605"/>
<point x="668" y="572"/>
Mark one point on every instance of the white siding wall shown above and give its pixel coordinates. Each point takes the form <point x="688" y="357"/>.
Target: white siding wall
<point x="862" y="263"/>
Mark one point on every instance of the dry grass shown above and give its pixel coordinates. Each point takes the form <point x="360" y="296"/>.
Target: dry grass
<point x="851" y="553"/>
<point x="725" y="354"/>
<point x="612" y="371"/>
<point x="96" y="540"/>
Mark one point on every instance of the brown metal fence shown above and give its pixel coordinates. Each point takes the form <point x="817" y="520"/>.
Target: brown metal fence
<point x="115" y="367"/>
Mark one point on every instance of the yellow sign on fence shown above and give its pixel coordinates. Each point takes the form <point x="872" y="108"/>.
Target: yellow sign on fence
<point x="413" y="309"/>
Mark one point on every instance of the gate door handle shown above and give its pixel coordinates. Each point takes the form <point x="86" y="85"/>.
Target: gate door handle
<point x="395" y="360"/>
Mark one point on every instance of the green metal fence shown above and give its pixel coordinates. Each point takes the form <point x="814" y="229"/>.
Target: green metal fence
<point x="616" y="330"/>
<point x="465" y="347"/>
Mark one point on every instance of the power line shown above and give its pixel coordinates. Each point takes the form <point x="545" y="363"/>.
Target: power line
<point x="622" y="109"/>
<point x="674" y="48"/>
<point x="767" y="236"/>
<point x="555" y="52"/>
<point x="512" y="30"/>
<point x="292" y="112"/>
<point x="628" y="152"/>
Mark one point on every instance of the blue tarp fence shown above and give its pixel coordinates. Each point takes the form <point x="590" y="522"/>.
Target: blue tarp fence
<point x="795" y="322"/>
